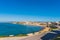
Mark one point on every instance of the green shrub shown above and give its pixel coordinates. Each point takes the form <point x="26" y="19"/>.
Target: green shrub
<point x="22" y="35"/>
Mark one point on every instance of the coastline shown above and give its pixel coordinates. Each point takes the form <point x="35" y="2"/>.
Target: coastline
<point x="31" y="35"/>
<point x="41" y="33"/>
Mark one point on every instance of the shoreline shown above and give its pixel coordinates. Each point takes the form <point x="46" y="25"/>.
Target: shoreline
<point x="38" y="34"/>
<point x="23" y="34"/>
<point x="41" y="32"/>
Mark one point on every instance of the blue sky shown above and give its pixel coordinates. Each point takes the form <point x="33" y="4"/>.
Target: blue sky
<point x="29" y="10"/>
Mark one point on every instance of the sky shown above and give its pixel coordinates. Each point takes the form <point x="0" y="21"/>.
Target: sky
<point x="29" y="10"/>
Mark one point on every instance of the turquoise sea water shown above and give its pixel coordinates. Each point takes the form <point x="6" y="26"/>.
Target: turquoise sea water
<point x="15" y="29"/>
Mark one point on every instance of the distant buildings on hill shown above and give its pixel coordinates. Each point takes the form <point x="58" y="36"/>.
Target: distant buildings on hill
<point x="45" y="24"/>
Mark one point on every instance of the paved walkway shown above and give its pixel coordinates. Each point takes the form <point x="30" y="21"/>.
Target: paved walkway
<point x="35" y="37"/>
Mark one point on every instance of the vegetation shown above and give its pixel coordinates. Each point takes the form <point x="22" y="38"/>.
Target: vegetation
<point x="15" y="35"/>
<point x="58" y="37"/>
<point x="4" y="36"/>
<point x="22" y="35"/>
<point x="53" y="27"/>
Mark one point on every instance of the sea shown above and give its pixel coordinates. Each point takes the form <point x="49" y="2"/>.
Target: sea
<point x="15" y="29"/>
